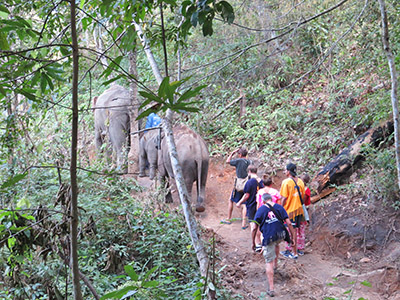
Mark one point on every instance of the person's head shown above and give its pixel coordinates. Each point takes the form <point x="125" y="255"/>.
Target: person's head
<point x="291" y="169"/>
<point x="267" y="181"/>
<point x="242" y="152"/>
<point x="305" y="177"/>
<point x="266" y="197"/>
<point x="252" y="169"/>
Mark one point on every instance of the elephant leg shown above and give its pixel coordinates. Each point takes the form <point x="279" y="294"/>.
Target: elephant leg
<point x="118" y="140"/>
<point x="142" y="161"/>
<point x="152" y="156"/>
<point x="201" y="186"/>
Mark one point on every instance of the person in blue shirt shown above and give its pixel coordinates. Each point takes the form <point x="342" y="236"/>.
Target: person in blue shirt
<point x="249" y="197"/>
<point x="153" y="120"/>
<point x="269" y="218"/>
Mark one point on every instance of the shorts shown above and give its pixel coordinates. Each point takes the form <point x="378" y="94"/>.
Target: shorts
<point x="269" y="251"/>
<point x="236" y="196"/>
<point x="297" y="220"/>
<point x="251" y="212"/>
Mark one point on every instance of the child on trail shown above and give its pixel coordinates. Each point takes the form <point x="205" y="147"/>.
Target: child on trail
<point x="249" y="197"/>
<point x="241" y="164"/>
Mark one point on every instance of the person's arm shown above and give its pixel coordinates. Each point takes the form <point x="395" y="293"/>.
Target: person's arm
<point x="244" y="199"/>
<point x="283" y="200"/>
<point x="253" y="237"/>
<point x="291" y="230"/>
<point x="228" y="160"/>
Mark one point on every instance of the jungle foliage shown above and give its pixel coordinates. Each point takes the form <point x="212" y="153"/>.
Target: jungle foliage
<point x="311" y="88"/>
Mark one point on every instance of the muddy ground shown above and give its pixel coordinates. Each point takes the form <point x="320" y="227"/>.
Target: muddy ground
<point x="352" y="250"/>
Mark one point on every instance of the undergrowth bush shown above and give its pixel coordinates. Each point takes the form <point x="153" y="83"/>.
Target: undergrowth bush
<point x="116" y="230"/>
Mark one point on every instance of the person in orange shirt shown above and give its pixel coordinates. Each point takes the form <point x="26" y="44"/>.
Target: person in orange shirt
<point x="290" y="189"/>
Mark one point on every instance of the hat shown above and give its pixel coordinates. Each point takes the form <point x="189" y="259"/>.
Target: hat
<point x="291" y="168"/>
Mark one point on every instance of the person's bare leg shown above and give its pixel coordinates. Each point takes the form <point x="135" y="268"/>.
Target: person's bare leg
<point x="252" y="228"/>
<point x="270" y="274"/>
<point x="276" y="258"/>
<point x="294" y="246"/>
<point x="258" y="237"/>
<point x="230" y="209"/>
<point x="244" y="212"/>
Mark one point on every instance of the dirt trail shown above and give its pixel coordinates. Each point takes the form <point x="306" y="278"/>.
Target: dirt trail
<point x="319" y="274"/>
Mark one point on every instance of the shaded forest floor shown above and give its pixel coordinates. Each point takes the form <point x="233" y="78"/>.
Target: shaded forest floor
<point x="345" y="258"/>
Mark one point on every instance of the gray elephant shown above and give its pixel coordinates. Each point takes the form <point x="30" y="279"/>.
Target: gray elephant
<point x="112" y="123"/>
<point x="194" y="159"/>
<point x="149" y="144"/>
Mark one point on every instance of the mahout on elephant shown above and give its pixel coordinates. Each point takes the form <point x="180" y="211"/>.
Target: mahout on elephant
<point x="112" y="124"/>
<point x="193" y="157"/>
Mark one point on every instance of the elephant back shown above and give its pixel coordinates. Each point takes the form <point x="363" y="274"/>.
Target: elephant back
<point x="115" y="99"/>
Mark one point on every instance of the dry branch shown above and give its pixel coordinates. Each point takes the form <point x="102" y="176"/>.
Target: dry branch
<point x="343" y="165"/>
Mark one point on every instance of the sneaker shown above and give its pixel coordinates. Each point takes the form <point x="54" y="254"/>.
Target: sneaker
<point x="270" y="293"/>
<point x="285" y="253"/>
<point x="258" y="248"/>
<point x="300" y="252"/>
<point x="289" y="254"/>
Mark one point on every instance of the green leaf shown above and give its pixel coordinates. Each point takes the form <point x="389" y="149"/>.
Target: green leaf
<point x="347" y="292"/>
<point x="43" y="82"/>
<point x="150" y="272"/>
<point x="163" y="90"/>
<point x="3" y="41"/>
<point x="152" y="283"/>
<point x="4" y="9"/>
<point x="119" y="294"/>
<point x="11" y="242"/>
<point x="131" y="272"/>
<point x="366" y="283"/>
<point x="106" y="83"/>
<point x="27" y="94"/>
<point x="151" y="97"/>
<point x="13" y="180"/>
<point x="207" y="28"/>
<point x="194" y="18"/>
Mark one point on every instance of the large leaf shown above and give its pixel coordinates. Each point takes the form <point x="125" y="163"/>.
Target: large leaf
<point x="119" y="294"/>
<point x="13" y="180"/>
<point x="131" y="272"/>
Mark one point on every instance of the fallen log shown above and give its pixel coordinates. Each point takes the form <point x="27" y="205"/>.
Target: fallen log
<point x="344" y="164"/>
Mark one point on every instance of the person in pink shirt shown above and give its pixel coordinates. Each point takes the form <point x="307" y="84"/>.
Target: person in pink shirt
<point x="276" y="198"/>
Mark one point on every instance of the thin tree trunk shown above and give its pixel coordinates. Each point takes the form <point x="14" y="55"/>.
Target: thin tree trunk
<point x="198" y="245"/>
<point x="74" y="143"/>
<point x="393" y="74"/>
<point x="133" y="155"/>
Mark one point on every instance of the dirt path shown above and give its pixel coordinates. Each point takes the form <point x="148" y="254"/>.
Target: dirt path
<point x="319" y="274"/>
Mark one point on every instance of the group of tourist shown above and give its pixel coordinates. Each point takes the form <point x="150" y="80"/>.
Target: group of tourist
<point x="274" y="216"/>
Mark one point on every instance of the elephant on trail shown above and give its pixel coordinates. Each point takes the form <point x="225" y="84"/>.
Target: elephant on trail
<point x="149" y="144"/>
<point x="193" y="157"/>
<point x="112" y="123"/>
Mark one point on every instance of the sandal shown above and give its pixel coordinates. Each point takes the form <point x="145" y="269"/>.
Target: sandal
<point x="226" y="222"/>
<point x="270" y="293"/>
<point x="245" y="227"/>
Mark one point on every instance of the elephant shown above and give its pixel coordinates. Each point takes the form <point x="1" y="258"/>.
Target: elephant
<point x="149" y="144"/>
<point x="112" y="123"/>
<point x="192" y="154"/>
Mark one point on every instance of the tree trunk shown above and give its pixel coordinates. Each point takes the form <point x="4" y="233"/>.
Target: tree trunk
<point x="133" y="155"/>
<point x="344" y="164"/>
<point x="198" y="245"/>
<point x="393" y="74"/>
<point x="74" y="143"/>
